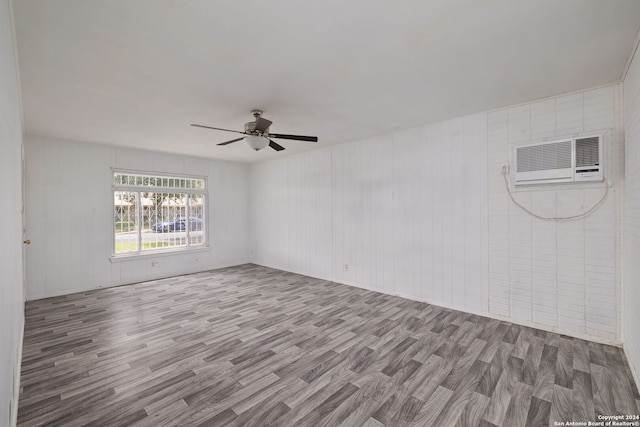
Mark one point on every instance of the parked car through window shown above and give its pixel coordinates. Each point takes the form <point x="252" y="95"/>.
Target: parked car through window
<point x="179" y="224"/>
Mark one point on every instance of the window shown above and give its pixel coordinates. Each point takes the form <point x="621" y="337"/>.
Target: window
<point x="157" y="213"/>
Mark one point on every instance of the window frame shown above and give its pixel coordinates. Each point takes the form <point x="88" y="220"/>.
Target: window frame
<point x="133" y="188"/>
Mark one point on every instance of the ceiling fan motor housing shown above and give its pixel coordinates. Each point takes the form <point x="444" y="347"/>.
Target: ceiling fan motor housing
<point x="250" y="128"/>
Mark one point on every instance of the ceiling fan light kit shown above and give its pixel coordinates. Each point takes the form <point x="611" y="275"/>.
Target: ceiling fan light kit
<point x="256" y="142"/>
<point x="257" y="134"/>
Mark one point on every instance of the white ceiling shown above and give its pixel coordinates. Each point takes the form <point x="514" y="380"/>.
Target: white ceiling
<point x="138" y="72"/>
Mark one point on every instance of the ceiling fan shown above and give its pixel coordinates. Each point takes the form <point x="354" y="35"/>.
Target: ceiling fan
<point x="258" y="136"/>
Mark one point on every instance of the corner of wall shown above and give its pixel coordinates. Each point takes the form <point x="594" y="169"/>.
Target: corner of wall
<point x="16" y="374"/>
<point x="630" y="177"/>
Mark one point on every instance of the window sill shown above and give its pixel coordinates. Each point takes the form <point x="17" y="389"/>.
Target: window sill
<point x="156" y="254"/>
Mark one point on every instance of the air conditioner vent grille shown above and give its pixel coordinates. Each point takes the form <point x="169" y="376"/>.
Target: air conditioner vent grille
<point x="555" y="155"/>
<point x="567" y="159"/>
<point x="587" y="151"/>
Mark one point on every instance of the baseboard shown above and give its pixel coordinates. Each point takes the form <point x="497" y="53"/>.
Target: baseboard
<point x="555" y="330"/>
<point x="490" y="315"/>
<point x="70" y="291"/>
<point x="17" y="369"/>
<point x="358" y="285"/>
<point x="520" y="322"/>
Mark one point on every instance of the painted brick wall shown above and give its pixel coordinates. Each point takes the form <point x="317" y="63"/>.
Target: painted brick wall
<point x="560" y="275"/>
<point x="631" y="296"/>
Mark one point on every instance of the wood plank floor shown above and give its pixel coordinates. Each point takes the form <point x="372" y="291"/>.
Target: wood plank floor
<point x="254" y="346"/>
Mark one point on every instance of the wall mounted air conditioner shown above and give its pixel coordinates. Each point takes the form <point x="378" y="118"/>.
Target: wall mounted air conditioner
<point x="571" y="159"/>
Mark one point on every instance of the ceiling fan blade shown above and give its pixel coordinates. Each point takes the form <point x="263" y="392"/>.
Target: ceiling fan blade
<point x="210" y="127"/>
<point x="294" y="137"/>
<point x="229" y="142"/>
<point x="262" y="124"/>
<point x="275" y="145"/>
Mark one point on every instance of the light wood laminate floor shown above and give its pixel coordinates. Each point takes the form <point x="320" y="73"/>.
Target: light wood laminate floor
<point x="254" y="346"/>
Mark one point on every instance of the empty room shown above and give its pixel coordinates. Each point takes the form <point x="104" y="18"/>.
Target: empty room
<point x="320" y="213"/>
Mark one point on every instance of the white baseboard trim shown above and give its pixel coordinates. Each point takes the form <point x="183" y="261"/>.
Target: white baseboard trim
<point x="520" y="322"/>
<point x="160" y="276"/>
<point x="543" y="327"/>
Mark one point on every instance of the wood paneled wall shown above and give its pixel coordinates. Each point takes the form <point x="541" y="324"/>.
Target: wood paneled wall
<point x="403" y="213"/>
<point x="424" y="213"/>
<point x="70" y="215"/>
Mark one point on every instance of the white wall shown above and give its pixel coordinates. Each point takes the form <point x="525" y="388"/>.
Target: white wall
<point x="11" y="288"/>
<point x="563" y="276"/>
<point x="405" y="211"/>
<point x="424" y="213"/>
<point x="631" y="296"/>
<point x="69" y="215"/>
<point x="285" y="214"/>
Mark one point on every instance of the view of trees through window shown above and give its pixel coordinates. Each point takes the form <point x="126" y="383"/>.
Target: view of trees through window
<point x="154" y="213"/>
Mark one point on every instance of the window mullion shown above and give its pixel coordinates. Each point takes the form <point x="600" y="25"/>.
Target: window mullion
<point x="187" y="214"/>
<point x="138" y="222"/>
